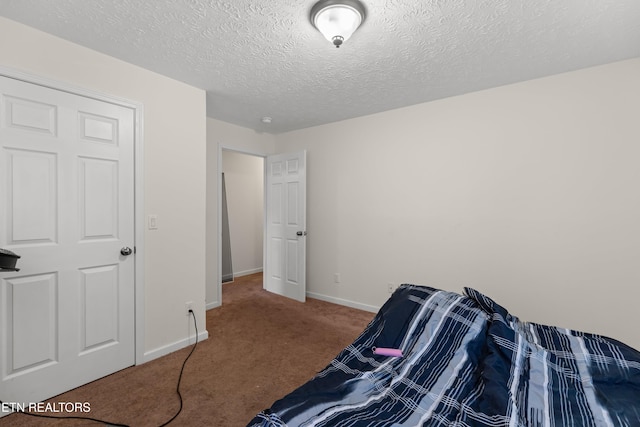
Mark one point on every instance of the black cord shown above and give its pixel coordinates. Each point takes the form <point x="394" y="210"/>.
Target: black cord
<point x="195" y="324"/>
<point x="71" y="417"/>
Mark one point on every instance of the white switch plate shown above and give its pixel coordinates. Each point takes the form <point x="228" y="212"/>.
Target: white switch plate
<point x="153" y="222"/>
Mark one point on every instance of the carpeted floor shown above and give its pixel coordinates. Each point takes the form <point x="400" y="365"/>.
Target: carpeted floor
<point x="261" y="346"/>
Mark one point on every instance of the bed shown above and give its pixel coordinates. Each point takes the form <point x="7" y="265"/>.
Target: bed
<point x="466" y="361"/>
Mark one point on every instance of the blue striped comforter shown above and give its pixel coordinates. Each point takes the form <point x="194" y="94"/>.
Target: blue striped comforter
<point x="467" y="362"/>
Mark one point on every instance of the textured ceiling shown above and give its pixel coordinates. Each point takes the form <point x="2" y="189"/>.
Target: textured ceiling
<point x="260" y="58"/>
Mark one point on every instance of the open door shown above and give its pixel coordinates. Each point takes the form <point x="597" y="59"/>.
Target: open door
<point x="285" y="243"/>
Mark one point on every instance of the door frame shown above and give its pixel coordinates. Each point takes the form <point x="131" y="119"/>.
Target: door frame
<point x="224" y="147"/>
<point x="138" y="154"/>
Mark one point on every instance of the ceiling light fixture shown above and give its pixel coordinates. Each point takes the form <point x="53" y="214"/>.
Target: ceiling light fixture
<point x="337" y="20"/>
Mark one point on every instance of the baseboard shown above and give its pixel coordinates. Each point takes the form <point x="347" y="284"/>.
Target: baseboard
<point x="211" y="305"/>
<point x="345" y="302"/>
<point x="247" y="272"/>
<point x="170" y="348"/>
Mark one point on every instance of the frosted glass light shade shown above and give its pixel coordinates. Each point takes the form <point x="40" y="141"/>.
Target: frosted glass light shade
<point x="337" y="20"/>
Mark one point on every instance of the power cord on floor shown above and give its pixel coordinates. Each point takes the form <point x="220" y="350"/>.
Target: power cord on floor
<point x="71" y="417"/>
<point x="195" y="324"/>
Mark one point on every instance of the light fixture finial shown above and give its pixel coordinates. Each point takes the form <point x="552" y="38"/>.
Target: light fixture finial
<point x="337" y="20"/>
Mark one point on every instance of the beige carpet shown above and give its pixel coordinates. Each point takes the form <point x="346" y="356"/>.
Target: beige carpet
<point x="261" y="346"/>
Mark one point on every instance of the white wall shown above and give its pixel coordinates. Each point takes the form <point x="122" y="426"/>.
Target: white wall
<point x="221" y="135"/>
<point x="244" y="180"/>
<point x="174" y="169"/>
<point x="527" y="192"/>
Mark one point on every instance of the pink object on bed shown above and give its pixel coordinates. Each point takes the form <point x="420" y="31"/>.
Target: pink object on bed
<point x="393" y="352"/>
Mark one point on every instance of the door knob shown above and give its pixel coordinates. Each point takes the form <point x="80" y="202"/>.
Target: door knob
<point x="301" y="233"/>
<point x="126" y="251"/>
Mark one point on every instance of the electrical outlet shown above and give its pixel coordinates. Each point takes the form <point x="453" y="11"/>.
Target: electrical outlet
<point x="337" y="278"/>
<point x="188" y="306"/>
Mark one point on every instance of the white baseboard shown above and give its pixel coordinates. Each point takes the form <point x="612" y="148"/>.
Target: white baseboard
<point x="211" y="305"/>
<point x="247" y="272"/>
<point x="170" y="348"/>
<point x="340" y="301"/>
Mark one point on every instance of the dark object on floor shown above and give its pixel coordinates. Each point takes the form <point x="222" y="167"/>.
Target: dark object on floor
<point x="467" y="361"/>
<point x="8" y="260"/>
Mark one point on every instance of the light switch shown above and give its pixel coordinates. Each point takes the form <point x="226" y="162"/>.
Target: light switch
<point x="153" y="222"/>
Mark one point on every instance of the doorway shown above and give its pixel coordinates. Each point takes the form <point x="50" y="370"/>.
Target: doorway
<point x="243" y="198"/>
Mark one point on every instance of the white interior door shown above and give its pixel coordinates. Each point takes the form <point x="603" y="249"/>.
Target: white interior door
<point x="285" y="251"/>
<point x="67" y="207"/>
